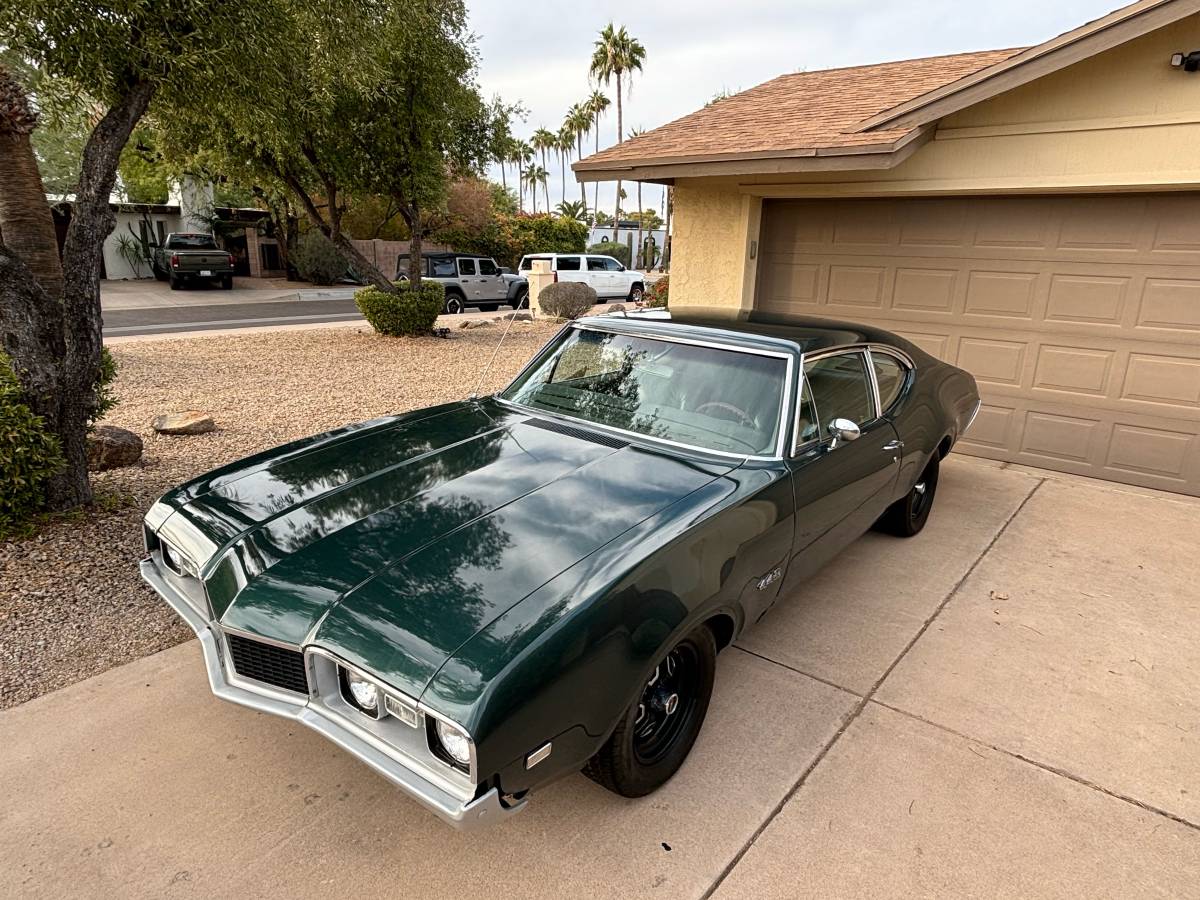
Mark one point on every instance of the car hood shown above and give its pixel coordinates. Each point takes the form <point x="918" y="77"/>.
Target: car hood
<point x="393" y="544"/>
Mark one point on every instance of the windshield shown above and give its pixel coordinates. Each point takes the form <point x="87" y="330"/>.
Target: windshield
<point x="726" y="400"/>
<point x="191" y="242"/>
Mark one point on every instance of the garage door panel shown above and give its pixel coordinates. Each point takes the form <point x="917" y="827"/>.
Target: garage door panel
<point x="1078" y="316"/>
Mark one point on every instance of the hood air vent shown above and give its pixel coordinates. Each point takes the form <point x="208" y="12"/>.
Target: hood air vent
<point x="583" y="434"/>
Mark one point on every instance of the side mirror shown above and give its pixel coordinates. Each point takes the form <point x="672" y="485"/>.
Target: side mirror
<point x="505" y="270"/>
<point x="622" y="266"/>
<point x="843" y="430"/>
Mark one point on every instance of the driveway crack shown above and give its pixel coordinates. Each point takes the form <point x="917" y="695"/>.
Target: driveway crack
<point x="865" y="698"/>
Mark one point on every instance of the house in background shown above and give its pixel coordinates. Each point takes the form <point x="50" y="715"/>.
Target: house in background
<point x="1031" y="215"/>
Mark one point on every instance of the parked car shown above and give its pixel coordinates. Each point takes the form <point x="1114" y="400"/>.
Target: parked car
<point x="470" y="280"/>
<point x="187" y="257"/>
<point x="478" y="598"/>
<point x="607" y="276"/>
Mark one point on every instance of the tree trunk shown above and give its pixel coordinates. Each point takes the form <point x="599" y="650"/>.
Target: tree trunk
<point x="26" y="224"/>
<point x="582" y="187"/>
<point x="520" y="186"/>
<point x="416" y="229"/>
<point x="32" y="336"/>
<point x="503" y="177"/>
<point x="596" y="191"/>
<point x="620" y="132"/>
<point x="545" y="181"/>
<point x="562" y="170"/>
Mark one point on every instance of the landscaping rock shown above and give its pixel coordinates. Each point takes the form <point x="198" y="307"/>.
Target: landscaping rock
<point x="188" y="422"/>
<point x="476" y="323"/>
<point x="110" y="447"/>
<point x="519" y="316"/>
<point x="615" y="307"/>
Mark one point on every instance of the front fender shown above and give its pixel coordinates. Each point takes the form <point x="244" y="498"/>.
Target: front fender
<point x="565" y="663"/>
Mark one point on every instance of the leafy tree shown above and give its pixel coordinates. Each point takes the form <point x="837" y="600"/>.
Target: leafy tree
<point x="143" y="173"/>
<point x="121" y="57"/>
<point x="616" y="54"/>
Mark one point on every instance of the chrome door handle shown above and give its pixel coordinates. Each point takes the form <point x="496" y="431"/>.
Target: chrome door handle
<point x="893" y="445"/>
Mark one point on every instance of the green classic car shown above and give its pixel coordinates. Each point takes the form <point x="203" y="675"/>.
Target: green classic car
<point x="478" y="598"/>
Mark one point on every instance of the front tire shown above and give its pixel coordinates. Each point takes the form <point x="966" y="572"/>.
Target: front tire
<point x="908" y="515"/>
<point x="657" y="732"/>
<point x="521" y="301"/>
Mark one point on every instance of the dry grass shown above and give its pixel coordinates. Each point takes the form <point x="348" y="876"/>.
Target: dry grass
<point x="71" y="601"/>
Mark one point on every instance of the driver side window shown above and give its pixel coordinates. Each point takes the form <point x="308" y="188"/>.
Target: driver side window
<point x="841" y="388"/>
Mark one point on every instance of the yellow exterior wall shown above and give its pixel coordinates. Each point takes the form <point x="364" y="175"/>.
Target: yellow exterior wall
<point x="711" y="234"/>
<point x="1121" y="121"/>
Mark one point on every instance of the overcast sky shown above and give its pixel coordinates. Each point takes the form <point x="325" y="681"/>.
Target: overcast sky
<point x="538" y="53"/>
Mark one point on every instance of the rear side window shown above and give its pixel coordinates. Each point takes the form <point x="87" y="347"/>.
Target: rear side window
<point x="890" y="375"/>
<point x="466" y="267"/>
<point x="487" y="267"/>
<point x="442" y="267"/>
<point x="596" y="264"/>
<point x="840" y="388"/>
<point x="568" y="264"/>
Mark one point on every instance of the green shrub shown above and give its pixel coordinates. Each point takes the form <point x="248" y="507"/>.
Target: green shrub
<point x="29" y="454"/>
<point x="106" y="397"/>
<point x="616" y="250"/>
<point x="567" y="299"/>
<point x="656" y="294"/>
<point x="507" y="238"/>
<point x="317" y="260"/>
<point x="408" y="312"/>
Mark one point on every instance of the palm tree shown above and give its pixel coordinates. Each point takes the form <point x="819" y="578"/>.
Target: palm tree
<point x="566" y="143"/>
<point x="596" y="104"/>
<point x="503" y="157"/>
<point x="26" y="224"/>
<point x="616" y="54"/>
<point x="573" y="209"/>
<point x="535" y="176"/>
<point x="581" y="123"/>
<point x="522" y="156"/>
<point x="633" y="133"/>
<point x="544" y="139"/>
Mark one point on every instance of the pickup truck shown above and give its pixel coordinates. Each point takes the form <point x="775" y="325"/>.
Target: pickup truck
<point x="187" y="257"/>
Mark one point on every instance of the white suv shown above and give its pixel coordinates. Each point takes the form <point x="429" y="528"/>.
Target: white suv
<point x="607" y="277"/>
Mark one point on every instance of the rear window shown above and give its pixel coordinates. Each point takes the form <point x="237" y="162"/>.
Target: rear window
<point x="442" y="267"/>
<point x="595" y="264"/>
<point x="191" y="242"/>
<point x="568" y="264"/>
<point x="527" y="262"/>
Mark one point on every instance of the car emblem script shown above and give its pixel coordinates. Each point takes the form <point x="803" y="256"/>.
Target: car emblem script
<point x="769" y="579"/>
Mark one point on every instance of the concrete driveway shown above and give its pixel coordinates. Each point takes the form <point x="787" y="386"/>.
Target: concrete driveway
<point x="1006" y="705"/>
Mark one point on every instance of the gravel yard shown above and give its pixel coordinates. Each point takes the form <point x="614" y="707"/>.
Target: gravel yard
<point x="71" y="601"/>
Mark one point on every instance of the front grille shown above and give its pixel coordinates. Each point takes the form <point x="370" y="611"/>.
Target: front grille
<point x="276" y="666"/>
<point x="582" y="433"/>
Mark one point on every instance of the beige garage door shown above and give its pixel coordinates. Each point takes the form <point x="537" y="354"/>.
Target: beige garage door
<point x="1078" y="316"/>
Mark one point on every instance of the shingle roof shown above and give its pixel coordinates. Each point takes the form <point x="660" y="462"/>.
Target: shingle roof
<point x="791" y="114"/>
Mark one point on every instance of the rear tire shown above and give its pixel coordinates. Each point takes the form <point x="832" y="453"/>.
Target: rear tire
<point x="637" y="293"/>
<point x="908" y="515"/>
<point x="227" y="283"/>
<point x="454" y="304"/>
<point x="176" y="283"/>
<point x="159" y="274"/>
<point x="658" y="730"/>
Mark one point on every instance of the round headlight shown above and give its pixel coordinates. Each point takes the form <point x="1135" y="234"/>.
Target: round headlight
<point x="454" y="742"/>
<point x="364" y="693"/>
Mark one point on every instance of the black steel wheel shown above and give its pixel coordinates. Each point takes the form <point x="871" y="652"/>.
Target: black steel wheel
<point x="908" y="515"/>
<point x="658" y="730"/>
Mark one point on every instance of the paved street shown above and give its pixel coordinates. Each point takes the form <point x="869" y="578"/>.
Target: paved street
<point x="1002" y="706"/>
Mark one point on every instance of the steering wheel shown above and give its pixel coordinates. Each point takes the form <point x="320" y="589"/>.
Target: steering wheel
<point x="743" y="418"/>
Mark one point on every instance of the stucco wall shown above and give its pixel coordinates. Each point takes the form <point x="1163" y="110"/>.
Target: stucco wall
<point x="712" y="230"/>
<point x="1121" y="121"/>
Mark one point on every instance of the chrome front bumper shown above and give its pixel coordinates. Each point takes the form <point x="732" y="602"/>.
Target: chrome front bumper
<point x="483" y="810"/>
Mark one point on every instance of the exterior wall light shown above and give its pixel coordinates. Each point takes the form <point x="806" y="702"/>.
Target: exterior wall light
<point x="1189" y="62"/>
